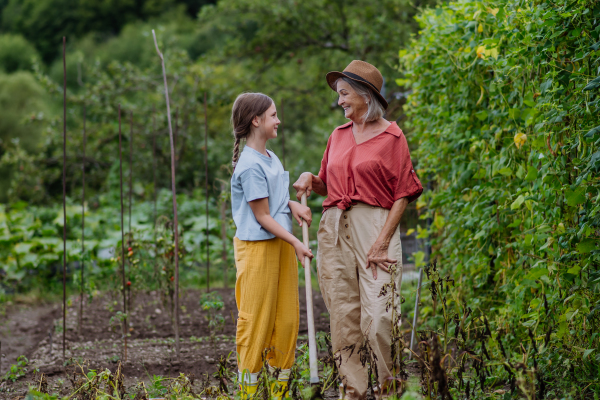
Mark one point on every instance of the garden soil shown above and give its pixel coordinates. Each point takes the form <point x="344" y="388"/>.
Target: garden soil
<point x="36" y="332"/>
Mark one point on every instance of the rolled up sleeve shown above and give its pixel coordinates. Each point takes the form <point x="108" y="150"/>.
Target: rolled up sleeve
<point x="254" y="184"/>
<point x="408" y="185"/>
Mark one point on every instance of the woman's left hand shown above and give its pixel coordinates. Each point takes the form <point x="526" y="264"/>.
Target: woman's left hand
<point x="377" y="257"/>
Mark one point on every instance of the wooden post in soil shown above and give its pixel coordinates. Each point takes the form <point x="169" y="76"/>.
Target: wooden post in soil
<point x="130" y="167"/>
<point x="154" y="186"/>
<point x="206" y="184"/>
<point x="413" y="334"/>
<point x="82" y="227"/>
<point x="122" y="244"/>
<point x="64" y="179"/>
<point x="175" y="134"/>
<point x="130" y="195"/>
<point x="175" y="228"/>
<point x="224" y="233"/>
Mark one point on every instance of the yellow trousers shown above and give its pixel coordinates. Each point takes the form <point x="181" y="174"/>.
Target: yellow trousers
<point x="266" y="293"/>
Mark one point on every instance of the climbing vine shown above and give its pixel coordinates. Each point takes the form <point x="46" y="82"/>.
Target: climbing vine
<point x="504" y="106"/>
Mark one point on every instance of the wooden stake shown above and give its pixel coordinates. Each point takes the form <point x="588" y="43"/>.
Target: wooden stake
<point x="176" y="134"/>
<point x="175" y="229"/>
<point x="64" y="197"/>
<point x="122" y="244"/>
<point x="154" y="181"/>
<point x="130" y="195"/>
<point x="206" y="184"/>
<point x="82" y="226"/>
<point x="413" y="335"/>
<point x="310" y="319"/>
<point x="224" y="233"/>
<point x="130" y="168"/>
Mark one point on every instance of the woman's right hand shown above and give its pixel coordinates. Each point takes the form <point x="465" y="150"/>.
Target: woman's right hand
<point x="303" y="185"/>
<point x="302" y="251"/>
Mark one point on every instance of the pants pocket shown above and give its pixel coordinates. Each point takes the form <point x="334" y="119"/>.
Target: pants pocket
<point x="243" y="334"/>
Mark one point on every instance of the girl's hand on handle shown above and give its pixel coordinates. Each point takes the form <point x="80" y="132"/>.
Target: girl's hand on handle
<point x="302" y="252"/>
<point x="301" y="212"/>
<point x="377" y="257"/>
<point x="303" y="185"/>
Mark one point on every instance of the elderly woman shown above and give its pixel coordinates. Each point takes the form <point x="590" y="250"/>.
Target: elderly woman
<point x="367" y="175"/>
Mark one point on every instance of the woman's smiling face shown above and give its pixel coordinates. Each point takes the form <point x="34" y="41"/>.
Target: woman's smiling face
<point x="354" y="105"/>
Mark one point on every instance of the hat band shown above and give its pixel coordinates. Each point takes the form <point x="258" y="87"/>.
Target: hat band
<point x="360" y="78"/>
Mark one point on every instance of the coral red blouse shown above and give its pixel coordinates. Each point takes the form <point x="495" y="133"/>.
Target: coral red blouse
<point x="376" y="172"/>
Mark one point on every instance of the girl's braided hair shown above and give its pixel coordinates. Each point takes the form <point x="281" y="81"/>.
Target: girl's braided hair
<point x="245" y="108"/>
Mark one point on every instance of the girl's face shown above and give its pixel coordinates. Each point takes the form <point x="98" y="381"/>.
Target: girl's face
<point x="268" y="123"/>
<point x="354" y="105"/>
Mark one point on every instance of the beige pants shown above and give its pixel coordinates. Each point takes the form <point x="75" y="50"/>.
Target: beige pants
<point x="352" y="295"/>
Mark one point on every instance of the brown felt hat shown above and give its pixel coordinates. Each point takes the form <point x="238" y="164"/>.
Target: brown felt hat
<point x="364" y="73"/>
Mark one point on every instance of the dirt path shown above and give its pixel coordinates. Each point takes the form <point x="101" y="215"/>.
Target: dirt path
<point x="23" y="328"/>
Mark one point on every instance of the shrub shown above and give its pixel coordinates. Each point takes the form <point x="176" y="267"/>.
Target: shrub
<point x="505" y="105"/>
<point x="16" y="53"/>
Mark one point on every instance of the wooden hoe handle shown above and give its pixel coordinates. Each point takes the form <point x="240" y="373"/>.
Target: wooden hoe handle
<point x="312" y="340"/>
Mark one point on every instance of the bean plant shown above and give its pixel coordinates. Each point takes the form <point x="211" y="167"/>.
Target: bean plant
<point x="504" y="109"/>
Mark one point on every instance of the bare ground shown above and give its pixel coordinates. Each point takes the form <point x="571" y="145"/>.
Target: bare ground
<point x="36" y="332"/>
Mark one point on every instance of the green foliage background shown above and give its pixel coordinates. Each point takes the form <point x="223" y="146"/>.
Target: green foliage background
<point x="502" y="112"/>
<point x="283" y="49"/>
<point x="505" y="105"/>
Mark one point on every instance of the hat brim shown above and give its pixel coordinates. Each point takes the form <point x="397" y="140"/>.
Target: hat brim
<point x="333" y="76"/>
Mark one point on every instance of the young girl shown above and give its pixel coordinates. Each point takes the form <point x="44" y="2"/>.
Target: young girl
<point x="266" y="288"/>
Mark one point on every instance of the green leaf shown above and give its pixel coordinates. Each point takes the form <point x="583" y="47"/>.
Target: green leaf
<point x="594" y="84"/>
<point x="536" y="273"/>
<point x="574" y="270"/>
<point x="575" y="197"/>
<point x="587" y="352"/>
<point x="546" y="85"/>
<point x="517" y="203"/>
<point x="506" y="171"/>
<point x="532" y="174"/>
<point x="593" y="132"/>
<point x="587" y="246"/>
<point x="481" y="115"/>
<point x="548" y="243"/>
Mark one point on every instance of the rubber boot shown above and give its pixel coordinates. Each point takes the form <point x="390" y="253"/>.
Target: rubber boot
<point x="279" y="390"/>
<point x="247" y="390"/>
<point x="248" y="384"/>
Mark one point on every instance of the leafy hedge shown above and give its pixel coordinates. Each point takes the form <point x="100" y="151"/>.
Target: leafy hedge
<point x="505" y="107"/>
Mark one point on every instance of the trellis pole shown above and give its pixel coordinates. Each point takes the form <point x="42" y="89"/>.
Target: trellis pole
<point x="122" y="243"/>
<point x="129" y="234"/>
<point x="64" y="197"/>
<point x="130" y="167"/>
<point x="206" y="184"/>
<point x="154" y="185"/>
<point x="173" y="189"/>
<point x="82" y="225"/>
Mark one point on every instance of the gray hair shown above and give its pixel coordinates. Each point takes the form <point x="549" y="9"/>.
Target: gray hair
<point x="375" y="110"/>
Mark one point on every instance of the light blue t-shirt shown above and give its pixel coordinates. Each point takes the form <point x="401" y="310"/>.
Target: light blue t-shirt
<point x="257" y="176"/>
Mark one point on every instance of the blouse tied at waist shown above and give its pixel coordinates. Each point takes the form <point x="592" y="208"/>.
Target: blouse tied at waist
<point x="377" y="172"/>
